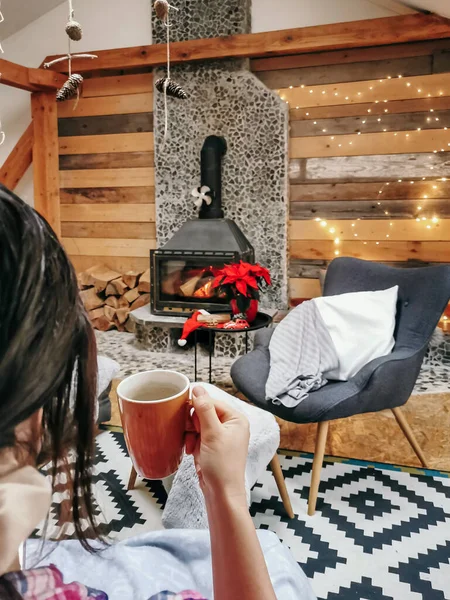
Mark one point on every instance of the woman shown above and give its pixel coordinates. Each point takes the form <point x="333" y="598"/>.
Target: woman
<point x="47" y="343"/>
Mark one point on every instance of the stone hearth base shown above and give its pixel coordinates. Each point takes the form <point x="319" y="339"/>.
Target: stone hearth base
<point x="164" y="340"/>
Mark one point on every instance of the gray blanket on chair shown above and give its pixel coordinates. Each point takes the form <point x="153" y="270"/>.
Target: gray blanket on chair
<point x="301" y="352"/>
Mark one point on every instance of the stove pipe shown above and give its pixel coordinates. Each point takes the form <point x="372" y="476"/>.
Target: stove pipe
<point x="213" y="149"/>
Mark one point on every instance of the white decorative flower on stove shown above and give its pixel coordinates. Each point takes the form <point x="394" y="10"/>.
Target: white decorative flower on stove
<point x="201" y="195"/>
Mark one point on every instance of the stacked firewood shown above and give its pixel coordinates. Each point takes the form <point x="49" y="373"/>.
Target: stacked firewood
<point x="109" y="297"/>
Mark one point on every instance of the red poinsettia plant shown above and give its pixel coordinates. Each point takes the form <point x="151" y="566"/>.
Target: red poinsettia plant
<point x="242" y="282"/>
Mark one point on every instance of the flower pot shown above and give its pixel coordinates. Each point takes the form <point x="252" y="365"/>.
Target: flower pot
<point x="250" y="313"/>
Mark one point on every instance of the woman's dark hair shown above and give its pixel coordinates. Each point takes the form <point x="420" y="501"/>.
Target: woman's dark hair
<point x="47" y="349"/>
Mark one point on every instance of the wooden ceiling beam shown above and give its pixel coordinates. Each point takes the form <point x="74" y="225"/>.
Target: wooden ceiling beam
<point x="30" y="80"/>
<point x="45" y="158"/>
<point x="16" y="76"/>
<point x="356" y="34"/>
<point x="44" y="79"/>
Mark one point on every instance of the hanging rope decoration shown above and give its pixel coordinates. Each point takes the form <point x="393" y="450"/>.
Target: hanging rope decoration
<point x="165" y="85"/>
<point x="74" y="30"/>
<point x="70" y="89"/>
<point x="171" y="88"/>
<point x="72" y="86"/>
<point x="162" y="10"/>
<point x="2" y="18"/>
<point x="2" y="133"/>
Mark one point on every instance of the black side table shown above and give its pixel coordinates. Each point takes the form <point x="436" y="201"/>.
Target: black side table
<point x="262" y="320"/>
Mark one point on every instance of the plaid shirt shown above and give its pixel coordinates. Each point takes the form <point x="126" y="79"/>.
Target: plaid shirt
<point x="47" y="584"/>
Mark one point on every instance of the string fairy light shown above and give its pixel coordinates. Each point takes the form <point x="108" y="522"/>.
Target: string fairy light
<point x="373" y="111"/>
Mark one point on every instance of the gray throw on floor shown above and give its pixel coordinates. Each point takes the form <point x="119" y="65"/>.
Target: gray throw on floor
<point x="301" y="352"/>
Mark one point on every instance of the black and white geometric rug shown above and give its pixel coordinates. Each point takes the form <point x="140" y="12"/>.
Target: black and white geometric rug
<point x="379" y="533"/>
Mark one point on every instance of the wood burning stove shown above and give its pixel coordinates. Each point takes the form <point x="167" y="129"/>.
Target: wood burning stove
<point x="182" y="270"/>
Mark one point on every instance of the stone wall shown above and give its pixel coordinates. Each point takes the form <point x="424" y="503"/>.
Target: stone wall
<point x="197" y="19"/>
<point x="225" y="99"/>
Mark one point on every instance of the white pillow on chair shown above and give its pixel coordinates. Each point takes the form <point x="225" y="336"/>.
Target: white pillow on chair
<point x="361" y="325"/>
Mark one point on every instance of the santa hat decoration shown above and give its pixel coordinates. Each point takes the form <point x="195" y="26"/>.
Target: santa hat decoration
<point x="190" y="325"/>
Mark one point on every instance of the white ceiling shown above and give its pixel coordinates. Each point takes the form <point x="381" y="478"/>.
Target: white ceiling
<point x="18" y="13"/>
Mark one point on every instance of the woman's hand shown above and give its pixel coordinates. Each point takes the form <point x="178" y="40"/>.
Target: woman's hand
<point x="218" y="437"/>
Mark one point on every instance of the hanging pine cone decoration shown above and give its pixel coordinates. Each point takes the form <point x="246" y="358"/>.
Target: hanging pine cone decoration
<point x="161" y="9"/>
<point x="173" y="89"/>
<point x="74" y="30"/>
<point x="70" y="89"/>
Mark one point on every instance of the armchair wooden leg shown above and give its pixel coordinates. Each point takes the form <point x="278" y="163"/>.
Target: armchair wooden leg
<point x="404" y="426"/>
<point x="281" y="485"/>
<point x="132" y="480"/>
<point x="319" y="452"/>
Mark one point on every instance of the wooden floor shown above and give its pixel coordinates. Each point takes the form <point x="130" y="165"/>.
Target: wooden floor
<point x="375" y="436"/>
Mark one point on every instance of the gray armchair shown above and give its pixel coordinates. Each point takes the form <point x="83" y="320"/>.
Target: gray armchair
<point x="384" y="383"/>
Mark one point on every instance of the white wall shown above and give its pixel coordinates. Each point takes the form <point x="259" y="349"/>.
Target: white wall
<point x="116" y="24"/>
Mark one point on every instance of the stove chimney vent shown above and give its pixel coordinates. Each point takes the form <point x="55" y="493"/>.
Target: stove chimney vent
<point x="213" y="149"/>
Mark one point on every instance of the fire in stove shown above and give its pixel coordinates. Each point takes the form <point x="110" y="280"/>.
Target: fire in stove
<point x="185" y="282"/>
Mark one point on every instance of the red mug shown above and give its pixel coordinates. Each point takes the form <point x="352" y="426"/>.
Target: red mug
<point x="153" y="410"/>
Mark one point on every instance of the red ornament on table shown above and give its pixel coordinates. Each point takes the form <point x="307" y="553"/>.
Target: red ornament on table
<point x="237" y="324"/>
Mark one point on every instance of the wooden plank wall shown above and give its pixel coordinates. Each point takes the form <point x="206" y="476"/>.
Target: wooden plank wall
<point x="369" y="155"/>
<point x="107" y="173"/>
